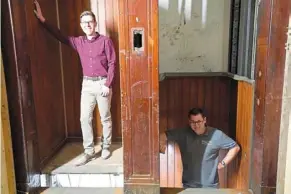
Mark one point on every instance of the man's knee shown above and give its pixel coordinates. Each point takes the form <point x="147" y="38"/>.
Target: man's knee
<point x="105" y="116"/>
<point x="86" y="119"/>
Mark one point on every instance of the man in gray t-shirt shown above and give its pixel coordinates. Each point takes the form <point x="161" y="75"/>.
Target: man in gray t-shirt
<point x="199" y="146"/>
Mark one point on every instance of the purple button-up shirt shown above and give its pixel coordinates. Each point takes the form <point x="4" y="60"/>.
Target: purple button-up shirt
<point x="97" y="55"/>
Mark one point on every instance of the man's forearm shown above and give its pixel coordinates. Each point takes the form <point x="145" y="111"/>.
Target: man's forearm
<point x="231" y="154"/>
<point x="110" y="75"/>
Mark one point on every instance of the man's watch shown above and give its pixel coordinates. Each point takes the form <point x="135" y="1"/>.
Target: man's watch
<point x="223" y="163"/>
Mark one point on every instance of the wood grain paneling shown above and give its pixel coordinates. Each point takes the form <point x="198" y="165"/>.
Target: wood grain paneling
<point x="17" y="67"/>
<point x="139" y="96"/>
<point x="47" y="86"/>
<point x="109" y="27"/>
<point x="8" y="184"/>
<point x="239" y="169"/>
<point x="69" y="23"/>
<point x="269" y="74"/>
<point x="177" y="96"/>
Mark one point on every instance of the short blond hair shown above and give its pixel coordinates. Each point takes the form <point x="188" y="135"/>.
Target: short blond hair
<point x="90" y="13"/>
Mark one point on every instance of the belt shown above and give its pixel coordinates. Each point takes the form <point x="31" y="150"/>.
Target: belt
<point x="98" y="78"/>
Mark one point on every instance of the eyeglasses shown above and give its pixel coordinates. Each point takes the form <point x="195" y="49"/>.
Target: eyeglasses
<point x="195" y="122"/>
<point x="87" y="22"/>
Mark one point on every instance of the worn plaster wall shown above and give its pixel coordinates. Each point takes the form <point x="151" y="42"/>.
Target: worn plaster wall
<point x="194" y="35"/>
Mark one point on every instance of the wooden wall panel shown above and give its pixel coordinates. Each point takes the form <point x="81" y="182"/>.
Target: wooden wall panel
<point x="17" y="67"/>
<point x="8" y="184"/>
<point x="269" y="74"/>
<point x="239" y="169"/>
<point x="47" y="76"/>
<point x="177" y="96"/>
<point x="109" y="15"/>
<point x="69" y="23"/>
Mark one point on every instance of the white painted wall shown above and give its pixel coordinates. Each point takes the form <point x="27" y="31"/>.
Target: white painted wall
<point x="193" y="37"/>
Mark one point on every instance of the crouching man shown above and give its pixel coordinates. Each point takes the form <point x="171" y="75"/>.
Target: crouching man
<point x="199" y="146"/>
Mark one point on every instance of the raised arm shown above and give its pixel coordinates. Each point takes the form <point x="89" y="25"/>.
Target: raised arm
<point x="51" y="28"/>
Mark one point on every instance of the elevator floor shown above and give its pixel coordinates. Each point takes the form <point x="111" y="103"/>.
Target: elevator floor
<point x="62" y="172"/>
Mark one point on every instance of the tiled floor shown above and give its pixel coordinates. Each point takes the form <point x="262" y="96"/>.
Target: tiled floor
<point x="62" y="172"/>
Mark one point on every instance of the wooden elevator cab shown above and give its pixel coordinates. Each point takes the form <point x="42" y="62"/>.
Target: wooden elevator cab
<point x="44" y="81"/>
<point x="44" y="77"/>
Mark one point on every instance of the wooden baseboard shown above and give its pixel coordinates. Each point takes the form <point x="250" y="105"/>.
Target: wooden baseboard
<point x="97" y="140"/>
<point x="55" y="150"/>
<point x="268" y="190"/>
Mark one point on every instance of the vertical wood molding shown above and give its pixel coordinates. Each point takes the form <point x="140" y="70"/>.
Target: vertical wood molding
<point x="7" y="163"/>
<point x="273" y="16"/>
<point x="238" y="177"/>
<point x="17" y="64"/>
<point x="140" y="96"/>
<point x="108" y="12"/>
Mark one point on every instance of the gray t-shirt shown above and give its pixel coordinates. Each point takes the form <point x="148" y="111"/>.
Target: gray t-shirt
<point x="199" y="155"/>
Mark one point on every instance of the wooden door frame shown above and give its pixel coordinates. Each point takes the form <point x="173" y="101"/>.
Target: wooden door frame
<point x="273" y="19"/>
<point x="269" y="45"/>
<point x="8" y="184"/>
<point x="125" y="56"/>
<point x="139" y="88"/>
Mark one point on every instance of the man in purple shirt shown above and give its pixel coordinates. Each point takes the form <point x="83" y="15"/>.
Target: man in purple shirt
<point x="98" y="60"/>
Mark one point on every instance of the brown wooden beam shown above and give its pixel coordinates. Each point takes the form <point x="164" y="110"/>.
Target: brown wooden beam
<point x="269" y="74"/>
<point x="8" y="184"/>
<point x="139" y="96"/>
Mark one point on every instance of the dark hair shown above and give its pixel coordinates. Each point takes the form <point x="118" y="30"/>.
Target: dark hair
<point x="84" y="13"/>
<point x="196" y="111"/>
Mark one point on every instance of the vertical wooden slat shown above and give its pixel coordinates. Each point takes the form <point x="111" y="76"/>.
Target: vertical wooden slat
<point x="7" y="163"/>
<point x="17" y="65"/>
<point x="208" y="100"/>
<point x="193" y="94"/>
<point x="108" y="25"/>
<point x="239" y="170"/>
<point x="269" y="74"/>
<point x="163" y="127"/>
<point x="172" y="110"/>
<point x="216" y="99"/>
<point x="179" y="114"/>
<point x="111" y="18"/>
<point x="201" y="92"/>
